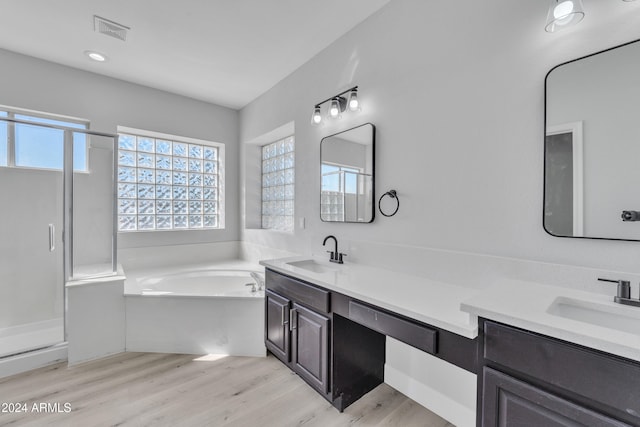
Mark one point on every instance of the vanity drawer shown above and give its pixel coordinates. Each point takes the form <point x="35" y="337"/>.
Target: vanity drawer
<point x="596" y="376"/>
<point x="299" y="291"/>
<point x="415" y="335"/>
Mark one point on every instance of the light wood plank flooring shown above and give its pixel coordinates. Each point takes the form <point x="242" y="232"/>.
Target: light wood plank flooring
<point x="148" y="389"/>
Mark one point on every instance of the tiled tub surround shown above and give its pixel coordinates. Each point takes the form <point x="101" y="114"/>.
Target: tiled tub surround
<point x="450" y="290"/>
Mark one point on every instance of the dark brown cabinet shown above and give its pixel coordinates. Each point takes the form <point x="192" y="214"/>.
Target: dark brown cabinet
<point x="310" y="346"/>
<point x="534" y="380"/>
<point x="277" y="325"/>
<point x="510" y="402"/>
<point x="295" y="333"/>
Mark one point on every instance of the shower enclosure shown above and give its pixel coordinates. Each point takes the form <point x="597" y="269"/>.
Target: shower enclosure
<point x="57" y="223"/>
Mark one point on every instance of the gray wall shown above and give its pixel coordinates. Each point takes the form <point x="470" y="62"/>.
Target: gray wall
<point x="456" y="92"/>
<point x="35" y="84"/>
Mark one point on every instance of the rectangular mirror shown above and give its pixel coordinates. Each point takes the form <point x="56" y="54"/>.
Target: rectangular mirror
<point x="347" y="175"/>
<point x="592" y="146"/>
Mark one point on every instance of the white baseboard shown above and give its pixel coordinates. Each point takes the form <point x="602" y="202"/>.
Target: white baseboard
<point x="433" y="400"/>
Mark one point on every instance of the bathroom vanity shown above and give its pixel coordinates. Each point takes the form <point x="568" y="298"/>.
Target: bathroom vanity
<point x="336" y="342"/>
<point x="535" y="364"/>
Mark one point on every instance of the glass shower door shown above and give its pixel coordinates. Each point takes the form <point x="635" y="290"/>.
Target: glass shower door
<point x="31" y="248"/>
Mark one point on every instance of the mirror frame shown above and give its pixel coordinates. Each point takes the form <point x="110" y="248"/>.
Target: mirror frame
<point x="373" y="175"/>
<point x="544" y="139"/>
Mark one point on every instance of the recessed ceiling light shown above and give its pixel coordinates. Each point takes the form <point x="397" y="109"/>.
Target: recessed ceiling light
<point x="95" y="55"/>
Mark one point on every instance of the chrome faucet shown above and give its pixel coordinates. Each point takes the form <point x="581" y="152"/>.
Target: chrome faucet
<point x="335" y="255"/>
<point x="623" y="295"/>
<point x="258" y="278"/>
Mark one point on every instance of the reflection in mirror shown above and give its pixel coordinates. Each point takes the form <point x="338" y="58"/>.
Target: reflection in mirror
<point x="592" y="146"/>
<point x="347" y="175"/>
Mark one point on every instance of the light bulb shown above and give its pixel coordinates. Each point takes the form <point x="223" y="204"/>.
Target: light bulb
<point x="334" y="109"/>
<point x="354" y="105"/>
<point x="316" y="117"/>
<point x="563" y="14"/>
<point x="563" y="9"/>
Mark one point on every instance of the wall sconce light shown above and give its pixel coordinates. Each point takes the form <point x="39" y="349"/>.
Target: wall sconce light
<point x="354" y="104"/>
<point x="337" y="105"/>
<point x="563" y="13"/>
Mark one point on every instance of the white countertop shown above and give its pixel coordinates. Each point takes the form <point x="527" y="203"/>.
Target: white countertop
<point x="457" y="308"/>
<point x="525" y="304"/>
<point x="429" y="301"/>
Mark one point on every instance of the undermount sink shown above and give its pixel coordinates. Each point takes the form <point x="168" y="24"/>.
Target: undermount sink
<point x="612" y="316"/>
<point x="312" y="265"/>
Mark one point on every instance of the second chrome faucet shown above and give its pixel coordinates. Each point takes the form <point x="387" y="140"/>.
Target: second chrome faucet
<point x="623" y="295"/>
<point x="335" y="255"/>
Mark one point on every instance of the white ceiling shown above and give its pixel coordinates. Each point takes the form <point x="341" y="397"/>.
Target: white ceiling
<point x="227" y="52"/>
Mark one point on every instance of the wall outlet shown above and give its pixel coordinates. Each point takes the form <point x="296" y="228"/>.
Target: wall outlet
<point x="301" y="223"/>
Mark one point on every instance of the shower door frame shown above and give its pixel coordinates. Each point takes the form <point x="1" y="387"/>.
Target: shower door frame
<point x="67" y="203"/>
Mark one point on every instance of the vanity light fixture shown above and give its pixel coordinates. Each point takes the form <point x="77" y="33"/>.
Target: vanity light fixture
<point x="337" y="105"/>
<point x="563" y="13"/>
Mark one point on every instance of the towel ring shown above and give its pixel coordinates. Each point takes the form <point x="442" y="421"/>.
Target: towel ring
<point x="393" y="195"/>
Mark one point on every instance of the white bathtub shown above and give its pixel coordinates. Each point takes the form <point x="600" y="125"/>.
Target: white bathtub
<point x="201" y="283"/>
<point x="196" y="311"/>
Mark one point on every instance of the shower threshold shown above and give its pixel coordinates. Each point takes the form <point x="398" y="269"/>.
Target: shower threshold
<point x="31" y="336"/>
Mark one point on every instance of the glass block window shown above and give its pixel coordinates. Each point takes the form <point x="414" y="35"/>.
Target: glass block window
<point x="167" y="184"/>
<point x="337" y="181"/>
<point x="31" y="146"/>
<point x="278" y="175"/>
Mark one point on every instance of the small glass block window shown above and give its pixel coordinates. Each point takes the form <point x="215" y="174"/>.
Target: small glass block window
<point x="161" y="185"/>
<point x="278" y="175"/>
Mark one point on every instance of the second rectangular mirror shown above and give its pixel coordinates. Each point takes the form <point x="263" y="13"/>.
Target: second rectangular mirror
<point x="347" y="175"/>
<point x="591" y="146"/>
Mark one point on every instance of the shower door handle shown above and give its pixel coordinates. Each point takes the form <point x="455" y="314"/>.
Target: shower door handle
<point x="52" y="237"/>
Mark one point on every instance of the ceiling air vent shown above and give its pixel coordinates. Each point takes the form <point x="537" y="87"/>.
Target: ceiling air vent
<point x="110" y="28"/>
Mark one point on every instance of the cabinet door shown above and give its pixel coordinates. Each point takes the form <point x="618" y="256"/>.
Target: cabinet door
<point x="277" y="325"/>
<point x="513" y="403"/>
<point x="310" y="346"/>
